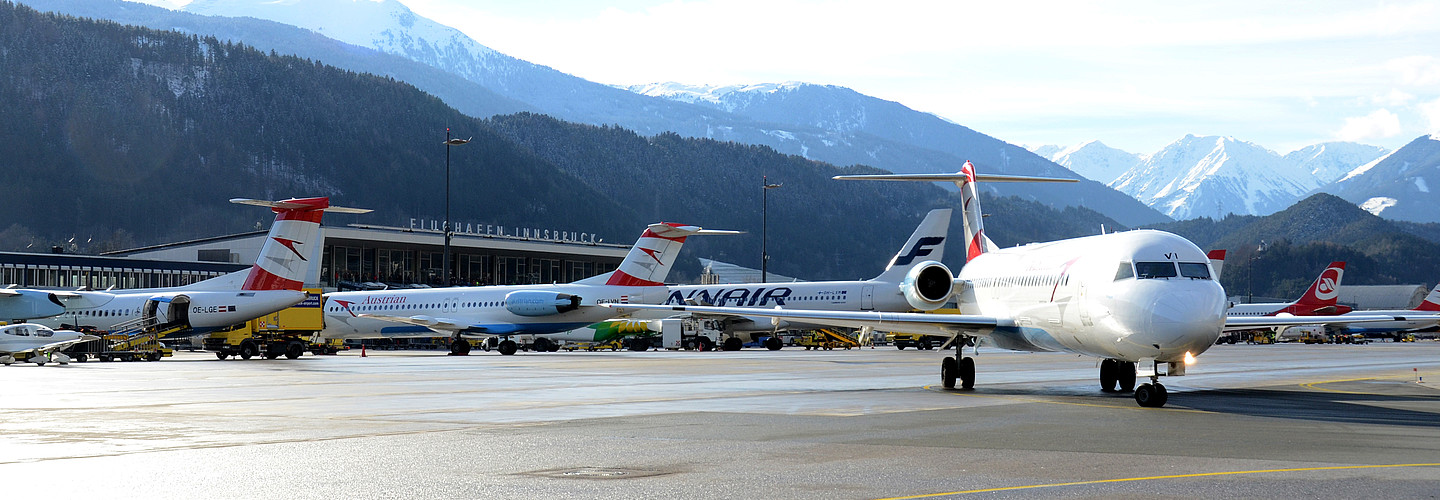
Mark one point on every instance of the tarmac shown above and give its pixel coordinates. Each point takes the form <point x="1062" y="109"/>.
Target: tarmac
<point x="1268" y="421"/>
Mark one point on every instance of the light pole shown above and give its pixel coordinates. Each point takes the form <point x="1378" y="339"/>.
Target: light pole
<point x="765" y="226"/>
<point x="445" y="268"/>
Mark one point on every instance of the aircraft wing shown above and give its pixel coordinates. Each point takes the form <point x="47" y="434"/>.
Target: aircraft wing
<point x="446" y="326"/>
<point x="947" y="325"/>
<point x="1252" y="322"/>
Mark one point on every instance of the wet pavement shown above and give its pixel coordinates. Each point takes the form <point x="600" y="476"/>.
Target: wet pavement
<point x="1316" y="421"/>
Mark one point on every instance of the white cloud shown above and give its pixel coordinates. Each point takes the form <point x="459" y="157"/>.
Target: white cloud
<point x="1377" y="125"/>
<point x="1394" y="99"/>
<point x="1431" y="112"/>
<point x="1416" y="70"/>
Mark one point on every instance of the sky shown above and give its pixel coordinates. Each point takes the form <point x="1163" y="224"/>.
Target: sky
<point x="1134" y="75"/>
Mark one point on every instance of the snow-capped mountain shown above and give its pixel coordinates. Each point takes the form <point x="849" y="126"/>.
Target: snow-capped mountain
<point x="1397" y="186"/>
<point x="1215" y="176"/>
<point x="1092" y="159"/>
<point x="824" y="123"/>
<point x="1330" y="161"/>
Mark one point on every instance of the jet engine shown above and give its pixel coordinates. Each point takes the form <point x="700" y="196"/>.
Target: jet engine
<point x="540" y="303"/>
<point x="927" y="286"/>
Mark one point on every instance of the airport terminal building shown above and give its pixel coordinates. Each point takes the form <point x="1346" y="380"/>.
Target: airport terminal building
<point x="354" y="256"/>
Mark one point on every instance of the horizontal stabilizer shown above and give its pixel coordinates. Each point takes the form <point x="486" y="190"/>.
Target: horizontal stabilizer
<point x="290" y="205"/>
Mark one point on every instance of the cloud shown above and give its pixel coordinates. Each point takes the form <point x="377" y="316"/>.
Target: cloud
<point x="1416" y="70"/>
<point x="1431" y="111"/>
<point x="1394" y="98"/>
<point x="1377" y="125"/>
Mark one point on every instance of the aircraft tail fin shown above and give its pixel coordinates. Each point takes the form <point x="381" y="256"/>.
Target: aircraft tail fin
<point x="1431" y="302"/>
<point x="1326" y="288"/>
<point x="927" y="243"/>
<point x="650" y="260"/>
<point x="285" y="256"/>
<point x="1217" y="262"/>
<point x="976" y="242"/>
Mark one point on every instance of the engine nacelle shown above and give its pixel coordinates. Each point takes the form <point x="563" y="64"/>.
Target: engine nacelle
<point x="927" y="286"/>
<point x="540" y="303"/>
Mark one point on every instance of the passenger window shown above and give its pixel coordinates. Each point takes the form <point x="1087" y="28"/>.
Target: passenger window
<point x="1148" y="270"/>
<point x="1124" y="271"/>
<point x="1195" y="270"/>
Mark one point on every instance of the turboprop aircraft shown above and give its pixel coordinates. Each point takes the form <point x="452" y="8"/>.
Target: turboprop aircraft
<point x="1139" y="300"/>
<point x="507" y="310"/>
<point x="42" y="343"/>
<point x="271" y="284"/>
<point x="25" y="303"/>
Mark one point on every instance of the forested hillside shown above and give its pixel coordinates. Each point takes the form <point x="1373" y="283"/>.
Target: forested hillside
<point x="118" y="136"/>
<point x="1301" y="240"/>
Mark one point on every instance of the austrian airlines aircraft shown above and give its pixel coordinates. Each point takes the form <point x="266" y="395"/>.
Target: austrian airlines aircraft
<point x="1137" y="298"/>
<point x="1425" y="315"/>
<point x="503" y="311"/>
<point x="270" y="285"/>
<point x="1318" y="300"/>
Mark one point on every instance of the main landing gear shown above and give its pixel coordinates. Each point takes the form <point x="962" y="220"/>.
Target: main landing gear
<point x="459" y="346"/>
<point x="958" y="367"/>
<point x="1117" y="376"/>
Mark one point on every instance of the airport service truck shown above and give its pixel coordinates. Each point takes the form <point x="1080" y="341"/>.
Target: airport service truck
<point x="289" y="332"/>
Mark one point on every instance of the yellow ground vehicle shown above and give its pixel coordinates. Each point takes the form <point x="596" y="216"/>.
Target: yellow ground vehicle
<point x="613" y="345"/>
<point x="1264" y="337"/>
<point x="918" y="341"/>
<point x="1408" y="337"/>
<point x="121" y="345"/>
<point x="826" y="339"/>
<point x="285" y="333"/>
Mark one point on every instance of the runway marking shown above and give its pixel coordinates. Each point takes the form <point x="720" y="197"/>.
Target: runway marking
<point x="1152" y="478"/>
<point x="1069" y="403"/>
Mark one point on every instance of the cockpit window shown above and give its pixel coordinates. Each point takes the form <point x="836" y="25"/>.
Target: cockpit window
<point x="1195" y="270"/>
<point x="1124" y="271"/>
<point x="1148" y="270"/>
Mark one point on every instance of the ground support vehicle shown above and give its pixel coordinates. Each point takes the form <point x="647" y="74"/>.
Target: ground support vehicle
<point x="127" y="344"/>
<point x="918" y="341"/>
<point x="689" y="334"/>
<point x="288" y="333"/>
<point x="613" y="345"/>
<point x="826" y="339"/>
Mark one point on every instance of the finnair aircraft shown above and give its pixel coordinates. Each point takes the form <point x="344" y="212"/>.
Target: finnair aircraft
<point x="272" y="283"/>
<point x="1139" y="300"/>
<point x="43" y="344"/>
<point x="507" y="310"/>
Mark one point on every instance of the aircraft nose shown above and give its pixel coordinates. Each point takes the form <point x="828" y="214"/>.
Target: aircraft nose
<point x="1180" y="321"/>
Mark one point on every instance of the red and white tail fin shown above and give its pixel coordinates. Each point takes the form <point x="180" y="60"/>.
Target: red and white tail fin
<point x="650" y="260"/>
<point x="285" y="256"/>
<point x="1431" y="302"/>
<point x="1326" y="288"/>
<point x="1217" y="262"/>
<point x="976" y="242"/>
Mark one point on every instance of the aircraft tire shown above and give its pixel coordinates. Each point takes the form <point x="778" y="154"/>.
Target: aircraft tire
<point x="507" y="347"/>
<point x="949" y="371"/>
<point x="459" y="347"/>
<point x="221" y="356"/>
<point x="81" y="358"/>
<point x="541" y="344"/>
<point x="1109" y="375"/>
<point x="1151" y="395"/>
<point x="967" y="373"/>
<point x="555" y="347"/>
<point x="1125" y="372"/>
<point x="773" y="343"/>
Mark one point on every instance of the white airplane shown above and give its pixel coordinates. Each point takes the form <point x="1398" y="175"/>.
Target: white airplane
<point x="1426" y="315"/>
<point x="23" y="303"/>
<point x="508" y="310"/>
<point x="42" y="343"/>
<point x="271" y="284"/>
<point x="914" y="279"/>
<point x="1133" y="299"/>
<point x="1318" y="300"/>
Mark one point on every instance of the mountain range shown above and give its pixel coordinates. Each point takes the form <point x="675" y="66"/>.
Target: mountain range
<point x="825" y="123"/>
<point x="1215" y="176"/>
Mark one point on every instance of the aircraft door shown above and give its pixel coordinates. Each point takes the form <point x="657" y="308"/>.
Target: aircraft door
<point x="152" y="310"/>
<point x="867" y="298"/>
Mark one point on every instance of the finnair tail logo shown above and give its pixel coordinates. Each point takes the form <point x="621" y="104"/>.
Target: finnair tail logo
<point x="919" y="250"/>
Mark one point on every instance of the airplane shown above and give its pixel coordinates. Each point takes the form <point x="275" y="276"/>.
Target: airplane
<point x="271" y="284"/>
<point x="1318" y="300"/>
<point x="42" y="343"/>
<point x="23" y="303"/>
<point x="509" y="310"/>
<point x="1421" y="317"/>
<point x="1132" y="298"/>
<point x="900" y="287"/>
